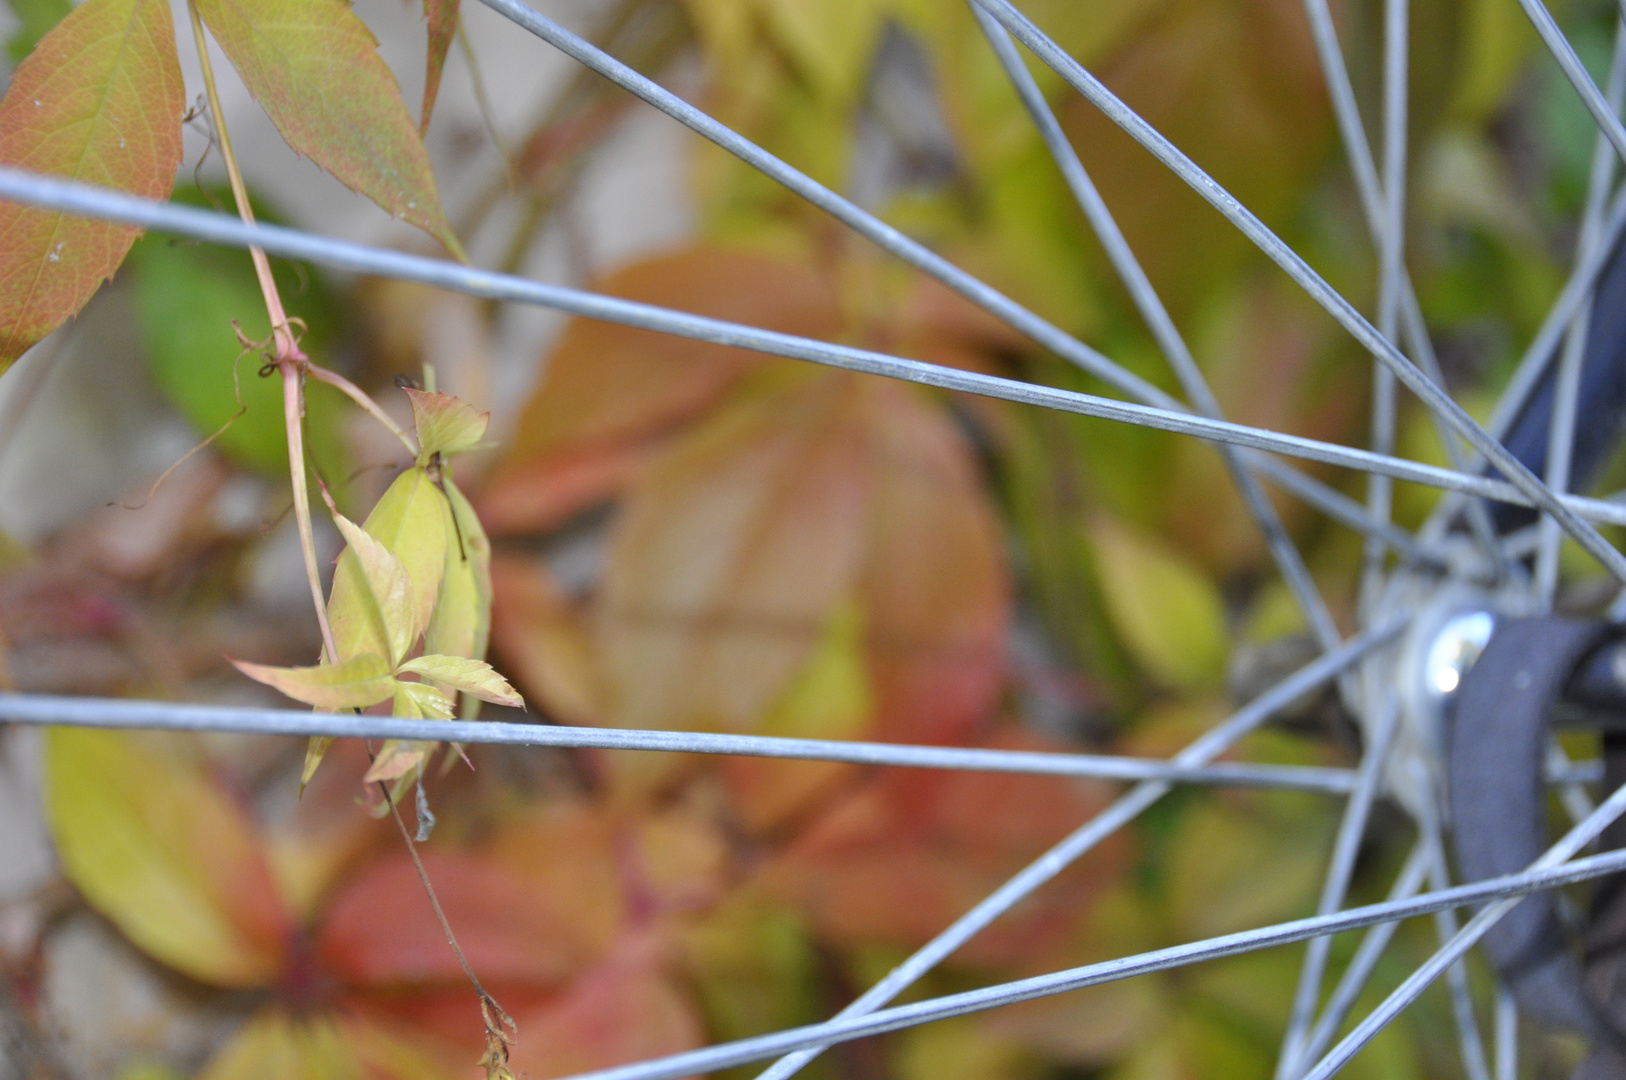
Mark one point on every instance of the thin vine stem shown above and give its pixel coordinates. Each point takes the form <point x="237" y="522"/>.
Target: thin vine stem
<point x="494" y="1015"/>
<point x="365" y="400"/>
<point x="290" y="360"/>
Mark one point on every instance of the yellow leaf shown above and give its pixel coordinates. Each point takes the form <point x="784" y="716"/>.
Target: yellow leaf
<point x="315" y="749"/>
<point x="410" y="522"/>
<point x="355" y="684"/>
<point x="165" y="854"/>
<point x="1165" y="611"/>
<point x="276" y="1046"/>
<point x="445" y="424"/>
<point x="461" y="624"/>
<point x="470" y="676"/>
<point x="388" y="585"/>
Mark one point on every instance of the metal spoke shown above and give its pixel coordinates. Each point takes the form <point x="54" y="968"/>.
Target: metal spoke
<point x="1365" y="960"/>
<point x="1129" y="806"/>
<point x="1391" y="273"/>
<point x="1341" y="867"/>
<point x="119" y="713"/>
<point x="1282" y="549"/>
<point x="743" y="1051"/>
<point x="1445" y="924"/>
<point x="1358" y="149"/>
<point x="859" y="220"/>
<point x="1329" y="298"/>
<point x="1539" y="353"/>
<point x="1609" y="125"/>
<point x="1408" y="991"/>
<point x="72" y="197"/>
<point x="1567" y="384"/>
<point x="1507" y="1035"/>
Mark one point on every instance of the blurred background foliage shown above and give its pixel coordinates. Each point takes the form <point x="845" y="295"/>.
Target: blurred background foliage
<point x="693" y="538"/>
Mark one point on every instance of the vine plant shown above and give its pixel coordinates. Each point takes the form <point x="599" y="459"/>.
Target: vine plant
<point x="101" y="99"/>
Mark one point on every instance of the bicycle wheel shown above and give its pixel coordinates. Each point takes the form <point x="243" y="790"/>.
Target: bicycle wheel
<point x="1430" y="600"/>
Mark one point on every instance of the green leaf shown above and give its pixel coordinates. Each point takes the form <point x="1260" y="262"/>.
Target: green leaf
<point x="461" y="625"/>
<point x="186" y="298"/>
<point x="388" y="586"/>
<point x="410" y="522"/>
<point x="354" y="684"/>
<point x="1168" y="614"/>
<point x="442" y="16"/>
<point x="98" y="100"/>
<point x="445" y="424"/>
<point x="161" y="850"/>
<point x="470" y="676"/>
<point x="34" y="20"/>
<point x="314" y="67"/>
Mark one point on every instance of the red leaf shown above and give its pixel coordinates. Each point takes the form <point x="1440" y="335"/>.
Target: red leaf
<point x="536" y="907"/>
<point x="934" y="590"/>
<point x="442" y="18"/>
<point x="542" y="641"/>
<point x="626" y="1009"/>
<point x="608" y="388"/>
<point x="99" y="100"/>
<point x="314" y="68"/>
<point x="730" y="554"/>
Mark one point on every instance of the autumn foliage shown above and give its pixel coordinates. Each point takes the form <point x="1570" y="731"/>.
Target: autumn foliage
<point x="662" y="534"/>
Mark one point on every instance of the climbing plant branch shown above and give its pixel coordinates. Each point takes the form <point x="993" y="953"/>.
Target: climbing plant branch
<point x="287" y="356"/>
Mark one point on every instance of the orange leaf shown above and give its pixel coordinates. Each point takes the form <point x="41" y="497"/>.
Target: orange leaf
<point x="314" y="67"/>
<point x="158" y="847"/>
<point x="935" y="590"/>
<point x="607" y="386"/>
<point x="896" y="861"/>
<point x="99" y="100"/>
<point x="730" y="554"/>
<point x="442" y="18"/>
<point x="543" y="641"/>
<point x="626" y="1009"/>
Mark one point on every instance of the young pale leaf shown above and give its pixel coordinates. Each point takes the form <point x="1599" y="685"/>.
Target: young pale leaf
<point x="461" y="625"/>
<point x="470" y="676"/>
<point x="425" y="701"/>
<point x="398" y="757"/>
<point x="99" y="100"/>
<point x="388" y="584"/>
<point x="353" y="684"/>
<point x="442" y="17"/>
<point x="410" y="522"/>
<point x="445" y="424"/>
<point x="314" y="67"/>
<point x="161" y="849"/>
<point x="315" y="750"/>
